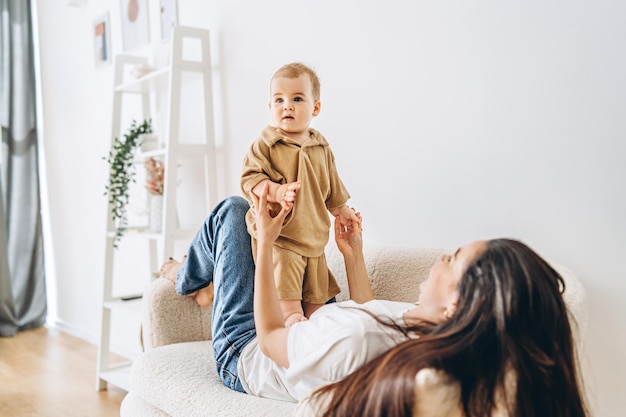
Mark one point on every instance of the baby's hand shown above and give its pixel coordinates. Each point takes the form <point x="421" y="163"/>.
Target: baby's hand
<point x="294" y="318"/>
<point x="286" y="194"/>
<point x="347" y="216"/>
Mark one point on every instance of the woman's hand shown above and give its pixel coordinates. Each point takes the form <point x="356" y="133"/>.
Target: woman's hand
<point x="350" y="243"/>
<point x="283" y="194"/>
<point x="349" y="238"/>
<point x="268" y="227"/>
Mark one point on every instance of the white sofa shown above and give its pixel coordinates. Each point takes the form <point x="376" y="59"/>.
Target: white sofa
<point x="176" y="376"/>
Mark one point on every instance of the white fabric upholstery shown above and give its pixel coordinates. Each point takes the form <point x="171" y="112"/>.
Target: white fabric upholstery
<point x="176" y="375"/>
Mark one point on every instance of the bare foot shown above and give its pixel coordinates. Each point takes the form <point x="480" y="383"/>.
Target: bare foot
<point x="203" y="297"/>
<point x="169" y="269"/>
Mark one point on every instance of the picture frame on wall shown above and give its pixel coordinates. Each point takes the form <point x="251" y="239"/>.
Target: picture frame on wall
<point x="169" y="18"/>
<point x="102" y="40"/>
<point x="135" y="24"/>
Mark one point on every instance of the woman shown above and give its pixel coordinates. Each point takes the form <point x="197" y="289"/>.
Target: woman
<point x="491" y="316"/>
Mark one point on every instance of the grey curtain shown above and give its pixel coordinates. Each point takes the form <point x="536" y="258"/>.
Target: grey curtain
<point x="22" y="279"/>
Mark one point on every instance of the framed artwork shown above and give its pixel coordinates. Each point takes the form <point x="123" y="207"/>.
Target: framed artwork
<point x="102" y="41"/>
<point x="135" y="24"/>
<point x="169" y="18"/>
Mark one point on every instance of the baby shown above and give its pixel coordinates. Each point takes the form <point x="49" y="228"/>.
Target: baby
<point x="298" y="166"/>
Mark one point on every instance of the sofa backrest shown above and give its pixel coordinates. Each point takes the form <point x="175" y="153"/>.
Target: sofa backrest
<point x="396" y="272"/>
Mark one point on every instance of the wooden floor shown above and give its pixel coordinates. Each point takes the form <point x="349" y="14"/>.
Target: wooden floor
<point x="48" y="373"/>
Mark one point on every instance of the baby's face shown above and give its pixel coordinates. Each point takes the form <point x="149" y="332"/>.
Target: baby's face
<point x="292" y="105"/>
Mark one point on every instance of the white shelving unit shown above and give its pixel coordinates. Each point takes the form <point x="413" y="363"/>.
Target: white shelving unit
<point x="164" y="84"/>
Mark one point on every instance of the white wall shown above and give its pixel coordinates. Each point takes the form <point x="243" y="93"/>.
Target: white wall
<point x="451" y="121"/>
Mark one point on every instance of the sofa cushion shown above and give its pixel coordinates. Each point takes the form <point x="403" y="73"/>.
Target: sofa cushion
<point x="180" y="380"/>
<point x="133" y="405"/>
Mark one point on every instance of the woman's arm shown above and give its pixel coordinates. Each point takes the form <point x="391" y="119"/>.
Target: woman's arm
<point x="268" y="316"/>
<point x="350" y="243"/>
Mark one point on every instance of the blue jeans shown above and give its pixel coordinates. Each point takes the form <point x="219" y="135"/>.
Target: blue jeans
<point x="221" y="252"/>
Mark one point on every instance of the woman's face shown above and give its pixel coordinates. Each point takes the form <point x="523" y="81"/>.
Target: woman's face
<point x="439" y="292"/>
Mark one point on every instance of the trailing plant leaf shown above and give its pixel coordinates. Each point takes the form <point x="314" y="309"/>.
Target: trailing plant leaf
<point x="122" y="173"/>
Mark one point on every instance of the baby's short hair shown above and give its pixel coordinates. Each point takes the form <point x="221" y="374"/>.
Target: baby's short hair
<point x="295" y="69"/>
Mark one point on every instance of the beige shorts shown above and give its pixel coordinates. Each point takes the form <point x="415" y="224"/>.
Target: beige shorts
<point x="302" y="278"/>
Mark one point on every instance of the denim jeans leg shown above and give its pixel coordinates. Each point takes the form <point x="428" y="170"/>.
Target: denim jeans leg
<point x="197" y="270"/>
<point x="223" y="245"/>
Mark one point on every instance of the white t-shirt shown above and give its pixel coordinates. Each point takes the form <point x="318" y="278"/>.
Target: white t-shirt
<point x="336" y="340"/>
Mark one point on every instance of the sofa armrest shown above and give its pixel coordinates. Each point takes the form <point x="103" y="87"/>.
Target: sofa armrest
<point x="168" y="317"/>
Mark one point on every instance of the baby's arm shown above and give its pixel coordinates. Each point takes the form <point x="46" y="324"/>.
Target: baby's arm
<point x="285" y="194"/>
<point x="292" y="311"/>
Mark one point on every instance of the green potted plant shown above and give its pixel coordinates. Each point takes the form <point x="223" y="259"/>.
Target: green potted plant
<point x="122" y="173"/>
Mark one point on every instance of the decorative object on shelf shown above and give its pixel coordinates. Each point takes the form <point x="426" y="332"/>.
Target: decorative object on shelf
<point x="122" y="173"/>
<point x="155" y="175"/>
<point x="140" y="70"/>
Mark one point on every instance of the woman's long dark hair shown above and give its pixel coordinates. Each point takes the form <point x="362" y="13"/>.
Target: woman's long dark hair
<point x="511" y="325"/>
